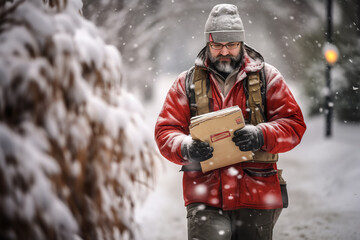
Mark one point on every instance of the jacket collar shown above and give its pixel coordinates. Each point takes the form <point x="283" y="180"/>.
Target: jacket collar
<point x="252" y="60"/>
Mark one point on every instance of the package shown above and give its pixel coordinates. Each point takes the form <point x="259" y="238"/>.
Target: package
<point x="217" y="128"/>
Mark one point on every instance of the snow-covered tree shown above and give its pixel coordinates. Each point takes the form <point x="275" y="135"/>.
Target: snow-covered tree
<point x="75" y="155"/>
<point x="136" y="28"/>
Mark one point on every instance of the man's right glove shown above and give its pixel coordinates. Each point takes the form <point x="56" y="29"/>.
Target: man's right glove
<point x="249" y="138"/>
<point x="196" y="151"/>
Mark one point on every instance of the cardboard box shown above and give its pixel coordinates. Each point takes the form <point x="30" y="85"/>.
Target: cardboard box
<point x="217" y="128"/>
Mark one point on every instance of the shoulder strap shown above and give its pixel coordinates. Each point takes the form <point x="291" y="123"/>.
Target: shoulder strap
<point x="256" y="87"/>
<point x="189" y="87"/>
<point x="199" y="92"/>
<point x="198" y="89"/>
<point x="255" y="98"/>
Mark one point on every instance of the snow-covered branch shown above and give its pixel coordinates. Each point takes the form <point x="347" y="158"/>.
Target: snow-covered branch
<point x="74" y="149"/>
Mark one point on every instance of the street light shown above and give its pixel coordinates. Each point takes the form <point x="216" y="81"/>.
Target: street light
<point x="331" y="53"/>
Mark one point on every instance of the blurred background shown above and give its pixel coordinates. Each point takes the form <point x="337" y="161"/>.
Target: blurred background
<point x="163" y="37"/>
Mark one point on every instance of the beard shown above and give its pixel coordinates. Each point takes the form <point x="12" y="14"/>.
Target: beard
<point x="224" y="66"/>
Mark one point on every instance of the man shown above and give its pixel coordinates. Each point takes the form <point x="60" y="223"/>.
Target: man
<point x="244" y="200"/>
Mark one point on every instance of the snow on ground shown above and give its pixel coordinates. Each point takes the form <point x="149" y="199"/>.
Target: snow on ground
<point x="163" y="215"/>
<point x="323" y="185"/>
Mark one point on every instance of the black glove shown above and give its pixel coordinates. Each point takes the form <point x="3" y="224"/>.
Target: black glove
<point x="249" y="138"/>
<point x="196" y="151"/>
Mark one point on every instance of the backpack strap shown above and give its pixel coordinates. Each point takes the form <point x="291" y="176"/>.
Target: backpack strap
<point x="255" y="102"/>
<point x="256" y="90"/>
<point x="189" y="87"/>
<point x="198" y="90"/>
<point x="197" y="84"/>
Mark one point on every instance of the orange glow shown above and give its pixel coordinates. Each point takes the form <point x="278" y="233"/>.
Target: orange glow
<point x="331" y="56"/>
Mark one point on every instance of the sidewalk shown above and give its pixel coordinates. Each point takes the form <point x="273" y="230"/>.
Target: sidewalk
<point x="163" y="215"/>
<point x="323" y="185"/>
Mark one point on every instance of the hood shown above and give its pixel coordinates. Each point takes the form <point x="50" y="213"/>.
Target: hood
<point x="252" y="61"/>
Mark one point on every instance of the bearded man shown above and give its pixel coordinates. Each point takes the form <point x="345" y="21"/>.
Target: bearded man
<point x="243" y="200"/>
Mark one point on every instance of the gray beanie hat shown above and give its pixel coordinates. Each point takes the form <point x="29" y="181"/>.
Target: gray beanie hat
<point x="224" y="24"/>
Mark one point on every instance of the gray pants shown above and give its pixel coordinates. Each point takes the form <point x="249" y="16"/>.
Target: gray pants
<point x="209" y="223"/>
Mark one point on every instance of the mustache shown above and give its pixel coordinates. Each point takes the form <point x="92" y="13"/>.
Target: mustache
<point x="225" y="56"/>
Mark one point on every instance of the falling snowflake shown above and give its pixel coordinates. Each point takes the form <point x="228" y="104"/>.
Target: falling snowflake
<point x="214" y="201"/>
<point x="200" y="189"/>
<point x="214" y="192"/>
<point x="201" y="207"/>
<point x="233" y="171"/>
<point x="270" y="199"/>
<point x="238" y="223"/>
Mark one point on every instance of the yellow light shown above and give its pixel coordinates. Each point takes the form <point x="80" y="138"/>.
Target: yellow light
<point x="331" y="53"/>
<point x="331" y="56"/>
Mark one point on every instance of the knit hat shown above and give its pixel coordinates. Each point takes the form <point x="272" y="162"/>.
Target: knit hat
<point x="224" y="24"/>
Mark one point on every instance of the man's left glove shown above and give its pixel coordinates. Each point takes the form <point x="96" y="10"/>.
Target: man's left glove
<point x="249" y="138"/>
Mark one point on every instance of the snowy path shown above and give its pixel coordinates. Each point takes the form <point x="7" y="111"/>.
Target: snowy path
<point x="163" y="215"/>
<point x="323" y="185"/>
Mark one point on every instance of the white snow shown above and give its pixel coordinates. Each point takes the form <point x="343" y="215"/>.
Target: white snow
<point x="200" y="189"/>
<point x="233" y="171"/>
<point x="33" y="165"/>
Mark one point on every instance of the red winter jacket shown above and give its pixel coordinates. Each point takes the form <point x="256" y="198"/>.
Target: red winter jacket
<point x="230" y="187"/>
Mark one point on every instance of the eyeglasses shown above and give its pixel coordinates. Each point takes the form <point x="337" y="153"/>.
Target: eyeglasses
<point x="219" y="46"/>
